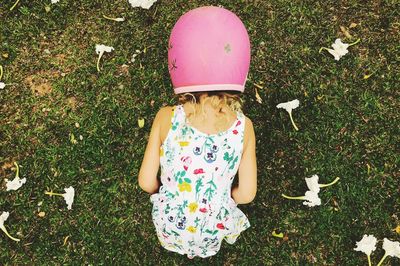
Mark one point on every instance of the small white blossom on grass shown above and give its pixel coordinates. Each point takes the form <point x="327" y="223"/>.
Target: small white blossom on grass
<point x="392" y="248"/>
<point x="68" y="195"/>
<point x="3" y="218"/>
<point x="311" y="198"/>
<point x="16" y="183"/>
<point x="367" y="244"/>
<point x="100" y="49"/>
<point x="55" y="1"/>
<point x="114" y="19"/>
<point x="146" y="4"/>
<point x="2" y="85"/>
<point x="289" y="106"/>
<point x="312" y="183"/>
<point x="339" y="48"/>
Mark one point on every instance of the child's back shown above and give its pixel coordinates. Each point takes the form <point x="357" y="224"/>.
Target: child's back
<point x="193" y="211"/>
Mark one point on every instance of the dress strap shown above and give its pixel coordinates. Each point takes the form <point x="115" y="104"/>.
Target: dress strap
<point x="177" y="117"/>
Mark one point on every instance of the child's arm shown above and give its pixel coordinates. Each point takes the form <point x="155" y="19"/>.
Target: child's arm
<point x="247" y="187"/>
<point x="148" y="171"/>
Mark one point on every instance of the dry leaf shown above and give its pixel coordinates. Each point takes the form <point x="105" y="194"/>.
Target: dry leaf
<point x="353" y="25"/>
<point x="367" y="76"/>
<point x="397" y="229"/>
<point x="258" y="98"/>
<point x="7" y="165"/>
<point x="141" y="122"/>
<point x="65" y="240"/>
<point x="345" y="32"/>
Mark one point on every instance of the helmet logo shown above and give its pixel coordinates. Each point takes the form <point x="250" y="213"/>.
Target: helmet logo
<point x="227" y="48"/>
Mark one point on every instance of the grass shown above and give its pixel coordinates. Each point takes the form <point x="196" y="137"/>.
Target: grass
<point x="348" y="128"/>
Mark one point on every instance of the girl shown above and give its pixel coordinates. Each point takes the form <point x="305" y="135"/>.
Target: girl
<point x="204" y="141"/>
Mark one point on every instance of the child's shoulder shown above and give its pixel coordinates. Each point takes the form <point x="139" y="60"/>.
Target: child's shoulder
<point x="164" y="115"/>
<point x="165" y="112"/>
<point x="248" y="123"/>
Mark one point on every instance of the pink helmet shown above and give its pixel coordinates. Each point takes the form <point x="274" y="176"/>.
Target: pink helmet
<point x="209" y="50"/>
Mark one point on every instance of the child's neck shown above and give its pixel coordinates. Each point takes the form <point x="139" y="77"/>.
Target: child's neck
<point x="209" y="119"/>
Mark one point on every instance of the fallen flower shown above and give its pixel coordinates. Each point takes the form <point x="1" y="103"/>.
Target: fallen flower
<point x="392" y="248"/>
<point x="114" y="19"/>
<point x="68" y="195"/>
<point x="16" y="183"/>
<point x="146" y="4"/>
<point x="100" y="49"/>
<point x="339" y="48"/>
<point x="55" y="1"/>
<point x="312" y="183"/>
<point x="311" y="198"/>
<point x="367" y="244"/>
<point x="2" y="85"/>
<point x="3" y="218"/>
<point x="289" y="106"/>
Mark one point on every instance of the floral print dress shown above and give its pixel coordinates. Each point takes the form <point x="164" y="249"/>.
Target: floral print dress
<point x="193" y="211"/>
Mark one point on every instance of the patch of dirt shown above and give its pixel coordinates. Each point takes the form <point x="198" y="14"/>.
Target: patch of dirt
<point x="6" y="166"/>
<point x="72" y="103"/>
<point x="39" y="83"/>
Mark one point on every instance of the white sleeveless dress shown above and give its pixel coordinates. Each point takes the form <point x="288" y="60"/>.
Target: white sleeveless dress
<point x="193" y="211"/>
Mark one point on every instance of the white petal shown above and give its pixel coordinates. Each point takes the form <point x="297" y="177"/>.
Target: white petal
<point x="3" y="217"/>
<point x="335" y="54"/>
<point x="146" y="4"/>
<point x="312" y="199"/>
<point x="135" y="3"/>
<point x="55" y="1"/>
<point x="312" y="183"/>
<point x="338" y="45"/>
<point x="15" y="184"/>
<point x="69" y="196"/>
<point x="103" y="48"/>
<point x="392" y="248"/>
<point x="367" y="244"/>
<point x="2" y="85"/>
<point x="289" y="106"/>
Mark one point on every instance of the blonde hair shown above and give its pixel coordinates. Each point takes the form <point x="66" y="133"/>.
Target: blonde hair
<point x="217" y="100"/>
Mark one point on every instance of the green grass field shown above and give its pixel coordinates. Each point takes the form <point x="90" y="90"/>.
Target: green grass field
<point x="348" y="120"/>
